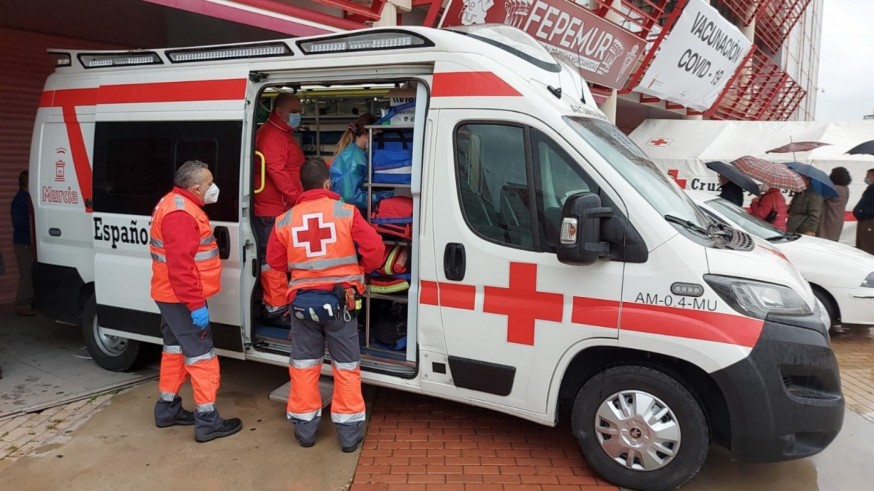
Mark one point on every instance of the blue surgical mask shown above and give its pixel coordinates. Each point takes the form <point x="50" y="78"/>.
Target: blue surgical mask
<point x="294" y="120"/>
<point x="868" y="181"/>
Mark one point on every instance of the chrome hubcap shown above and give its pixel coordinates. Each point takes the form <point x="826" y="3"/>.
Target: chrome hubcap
<point x="110" y="345"/>
<point x="637" y="430"/>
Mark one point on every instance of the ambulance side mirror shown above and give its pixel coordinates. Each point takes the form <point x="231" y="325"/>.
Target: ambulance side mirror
<point x="580" y="235"/>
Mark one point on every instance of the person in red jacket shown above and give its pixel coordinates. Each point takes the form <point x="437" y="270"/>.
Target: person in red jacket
<point x="186" y="270"/>
<point x="281" y="187"/>
<point x="327" y="246"/>
<point x="771" y="205"/>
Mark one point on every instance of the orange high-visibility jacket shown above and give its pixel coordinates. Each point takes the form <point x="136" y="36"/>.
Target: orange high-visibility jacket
<point x="317" y="234"/>
<point x="206" y="260"/>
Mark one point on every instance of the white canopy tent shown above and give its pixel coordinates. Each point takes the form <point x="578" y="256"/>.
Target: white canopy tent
<point x="682" y="147"/>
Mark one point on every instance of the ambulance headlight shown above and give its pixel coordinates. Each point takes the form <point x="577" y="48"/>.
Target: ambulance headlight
<point x="869" y="281"/>
<point x="758" y="299"/>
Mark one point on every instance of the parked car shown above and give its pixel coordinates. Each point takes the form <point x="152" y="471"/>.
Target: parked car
<point x="842" y="277"/>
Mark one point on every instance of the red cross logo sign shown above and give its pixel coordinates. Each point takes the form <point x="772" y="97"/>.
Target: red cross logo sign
<point x="675" y="175"/>
<point x="522" y="303"/>
<point x="659" y="142"/>
<point x="314" y="235"/>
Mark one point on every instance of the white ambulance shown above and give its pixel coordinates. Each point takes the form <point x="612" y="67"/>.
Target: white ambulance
<point x="552" y="265"/>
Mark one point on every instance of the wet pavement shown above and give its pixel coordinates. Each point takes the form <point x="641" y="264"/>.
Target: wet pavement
<point x="421" y="443"/>
<point x="46" y="364"/>
<point x="854" y="349"/>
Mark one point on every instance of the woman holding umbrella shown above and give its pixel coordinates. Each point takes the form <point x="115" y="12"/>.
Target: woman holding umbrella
<point x="730" y="191"/>
<point x="771" y="207"/>
<point x="805" y="210"/>
<point x="832" y="223"/>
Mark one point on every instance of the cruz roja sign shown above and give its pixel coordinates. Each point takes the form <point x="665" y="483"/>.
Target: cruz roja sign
<point x="696" y="59"/>
<point x="604" y="52"/>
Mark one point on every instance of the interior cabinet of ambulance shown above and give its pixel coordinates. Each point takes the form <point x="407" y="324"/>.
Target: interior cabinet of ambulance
<point x="326" y="113"/>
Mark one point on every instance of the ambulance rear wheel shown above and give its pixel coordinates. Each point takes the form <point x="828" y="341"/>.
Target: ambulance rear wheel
<point x="110" y="352"/>
<point x="640" y="428"/>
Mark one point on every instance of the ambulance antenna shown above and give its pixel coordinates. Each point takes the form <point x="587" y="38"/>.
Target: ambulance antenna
<point x="580" y="71"/>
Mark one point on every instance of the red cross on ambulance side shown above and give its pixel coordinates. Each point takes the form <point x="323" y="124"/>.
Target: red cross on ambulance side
<point x="314" y="234"/>
<point x="520" y="301"/>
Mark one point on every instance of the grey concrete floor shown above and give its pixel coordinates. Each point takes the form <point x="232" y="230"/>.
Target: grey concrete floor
<point x="45" y="364"/>
<point x="120" y="448"/>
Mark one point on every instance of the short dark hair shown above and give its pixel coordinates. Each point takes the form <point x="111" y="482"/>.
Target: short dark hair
<point x="22" y="178"/>
<point x="840" y="176"/>
<point x="313" y="173"/>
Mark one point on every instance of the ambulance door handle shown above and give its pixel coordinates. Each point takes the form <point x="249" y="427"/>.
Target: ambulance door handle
<point x="223" y="237"/>
<point x="454" y="261"/>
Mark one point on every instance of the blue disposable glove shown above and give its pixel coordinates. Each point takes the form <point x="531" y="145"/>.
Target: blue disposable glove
<point x="200" y="317"/>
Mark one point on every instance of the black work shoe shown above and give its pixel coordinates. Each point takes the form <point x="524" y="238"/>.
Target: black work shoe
<point x="303" y="443"/>
<point x="353" y="447"/>
<point x="183" y="418"/>
<point x="226" y="428"/>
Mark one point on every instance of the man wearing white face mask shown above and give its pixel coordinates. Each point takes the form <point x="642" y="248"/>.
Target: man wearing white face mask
<point x="281" y="187"/>
<point x="186" y="270"/>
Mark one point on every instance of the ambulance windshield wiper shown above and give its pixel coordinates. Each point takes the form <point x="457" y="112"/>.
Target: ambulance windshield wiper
<point x="688" y="224"/>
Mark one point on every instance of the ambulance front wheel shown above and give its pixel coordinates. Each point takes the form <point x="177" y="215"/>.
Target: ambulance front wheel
<point x="110" y="352"/>
<point x="640" y="428"/>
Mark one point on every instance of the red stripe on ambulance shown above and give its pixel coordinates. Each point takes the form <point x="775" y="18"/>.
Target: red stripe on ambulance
<point x="523" y="304"/>
<point x="190" y="91"/>
<point x="668" y="321"/>
<point x="454" y="295"/>
<point x="69" y="99"/>
<point x="80" y="155"/>
<point x="471" y="84"/>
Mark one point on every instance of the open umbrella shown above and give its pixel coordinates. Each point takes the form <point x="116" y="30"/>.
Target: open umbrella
<point x="819" y="180"/>
<point x="773" y="174"/>
<point x="797" y="147"/>
<point x="734" y="175"/>
<point x="863" y="148"/>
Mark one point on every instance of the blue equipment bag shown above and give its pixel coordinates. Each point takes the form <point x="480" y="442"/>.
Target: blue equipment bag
<point x="392" y="157"/>
<point x="317" y="306"/>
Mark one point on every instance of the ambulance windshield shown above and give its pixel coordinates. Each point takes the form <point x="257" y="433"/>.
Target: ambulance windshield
<point x="630" y="161"/>
<point x="513" y="41"/>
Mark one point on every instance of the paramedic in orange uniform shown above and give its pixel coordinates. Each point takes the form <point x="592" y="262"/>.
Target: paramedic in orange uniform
<point x="283" y="158"/>
<point x="317" y="242"/>
<point x="186" y="270"/>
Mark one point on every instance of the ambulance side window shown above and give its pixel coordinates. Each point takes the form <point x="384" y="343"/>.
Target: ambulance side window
<point x="134" y="163"/>
<point x="556" y="177"/>
<point x="492" y="175"/>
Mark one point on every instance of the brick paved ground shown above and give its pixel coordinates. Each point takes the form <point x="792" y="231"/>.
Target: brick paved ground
<point x="418" y="443"/>
<point x="855" y="352"/>
<point x="20" y="435"/>
<point x="426" y="444"/>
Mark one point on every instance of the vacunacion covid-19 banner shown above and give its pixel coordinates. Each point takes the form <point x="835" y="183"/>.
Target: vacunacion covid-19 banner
<point x="696" y="59"/>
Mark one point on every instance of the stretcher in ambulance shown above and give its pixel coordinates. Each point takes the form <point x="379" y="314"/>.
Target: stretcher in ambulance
<point x="550" y="263"/>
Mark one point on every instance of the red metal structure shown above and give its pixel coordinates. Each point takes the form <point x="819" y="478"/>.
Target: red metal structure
<point x="775" y="20"/>
<point x="652" y="20"/>
<point x="759" y="90"/>
<point x="745" y="10"/>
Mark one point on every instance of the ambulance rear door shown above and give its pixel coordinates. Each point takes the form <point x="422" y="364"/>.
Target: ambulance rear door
<point x="507" y="304"/>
